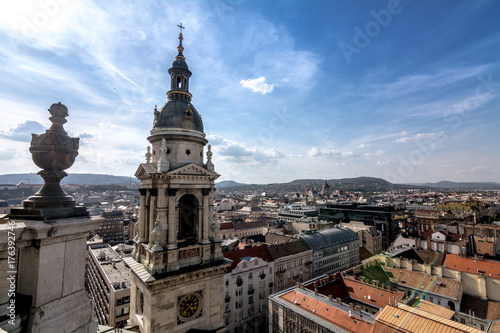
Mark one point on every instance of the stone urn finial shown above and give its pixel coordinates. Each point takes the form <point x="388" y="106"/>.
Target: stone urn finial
<point x="53" y="151"/>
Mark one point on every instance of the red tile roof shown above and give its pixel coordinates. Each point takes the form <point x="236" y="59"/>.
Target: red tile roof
<point x="370" y="294"/>
<point x="226" y="225"/>
<point x="327" y="312"/>
<point x="255" y="251"/>
<point x="489" y="268"/>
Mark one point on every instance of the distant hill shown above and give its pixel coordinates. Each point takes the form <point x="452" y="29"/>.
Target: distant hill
<point x="228" y="183"/>
<point x="299" y="185"/>
<point x="72" y="178"/>
<point x="470" y="186"/>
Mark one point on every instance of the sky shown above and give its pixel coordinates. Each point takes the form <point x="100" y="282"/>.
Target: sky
<point x="407" y="91"/>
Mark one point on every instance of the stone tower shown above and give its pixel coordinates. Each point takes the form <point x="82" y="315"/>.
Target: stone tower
<point x="177" y="263"/>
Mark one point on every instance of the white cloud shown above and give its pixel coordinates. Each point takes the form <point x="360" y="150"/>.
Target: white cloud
<point x="378" y="153"/>
<point x="363" y="145"/>
<point x="416" y="137"/>
<point x="382" y="162"/>
<point x="258" y="85"/>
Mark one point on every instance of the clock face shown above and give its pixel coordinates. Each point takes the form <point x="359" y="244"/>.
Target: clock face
<point x="189" y="305"/>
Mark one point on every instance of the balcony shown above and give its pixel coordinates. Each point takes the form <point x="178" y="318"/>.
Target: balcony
<point x="281" y="271"/>
<point x="309" y="262"/>
<point x="239" y="282"/>
<point x="251" y="291"/>
<point x="262" y="276"/>
<point x="227" y="299"/>
<point x="271" y="284"/>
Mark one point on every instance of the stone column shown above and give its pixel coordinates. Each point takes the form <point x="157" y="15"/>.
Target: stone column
<point x="206" y="215"/>
<point x="152" y="214"/>
<point x="172" y="224"/>
<point x="142" y="216"/>
<point x="162" y="215"/>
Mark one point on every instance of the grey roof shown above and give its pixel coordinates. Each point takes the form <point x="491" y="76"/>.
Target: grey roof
<point x="117" y="273"/>
<point x="327" y="238"/>
<point x="173" y="115"/>
<point x="240" y="225"/>
<point x="286" y="249"/>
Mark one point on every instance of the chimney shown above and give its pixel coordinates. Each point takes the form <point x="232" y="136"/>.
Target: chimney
<point x="339" y="300"/>
<point x="330" y="297"/>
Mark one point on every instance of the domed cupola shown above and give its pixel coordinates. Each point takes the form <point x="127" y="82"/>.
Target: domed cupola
<point x="178" y="112"/>
<point x="177" y="121"/>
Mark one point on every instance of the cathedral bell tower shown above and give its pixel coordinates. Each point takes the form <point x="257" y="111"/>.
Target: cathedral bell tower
<point x="177" y="262"/>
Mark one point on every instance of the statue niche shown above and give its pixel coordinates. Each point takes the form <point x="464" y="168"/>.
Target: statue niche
<point x="188" y="220"/>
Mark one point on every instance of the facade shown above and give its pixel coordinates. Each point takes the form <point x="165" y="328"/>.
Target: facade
<point x="292" y="263"/>
<point x="292" y="213"/>
<point x="431" y="219"/>
<point x="452" y="246"/>
<point x="247" y="284"/>
<point x="4" y="207"/>
<point x="108" y="283"/>
<point x="112" y="228"/>
<point x="307" y="223"/>
<point x="239" y="229"/>
<point x="383" y="218"/>
<point x="369" y="237"/>
<point x="177" y="263"/>
<point x="333" y="250"/>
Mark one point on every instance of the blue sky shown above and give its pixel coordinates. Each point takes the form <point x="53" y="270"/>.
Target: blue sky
<point x="403" y="90"/>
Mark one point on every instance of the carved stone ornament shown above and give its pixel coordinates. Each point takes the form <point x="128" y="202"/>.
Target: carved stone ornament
<point x="53" y="151"/>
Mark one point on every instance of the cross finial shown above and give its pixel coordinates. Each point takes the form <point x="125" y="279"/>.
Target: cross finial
<point x="181" y="27"/>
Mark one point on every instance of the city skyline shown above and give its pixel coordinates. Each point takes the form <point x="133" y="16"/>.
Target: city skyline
<point x="402" y="90"/>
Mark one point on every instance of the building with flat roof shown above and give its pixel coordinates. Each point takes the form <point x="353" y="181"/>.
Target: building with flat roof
<point x="108" y="283"/>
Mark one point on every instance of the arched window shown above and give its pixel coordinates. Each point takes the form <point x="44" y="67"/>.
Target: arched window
<point x="188" y="219"/>
<point x="179" y="82"/>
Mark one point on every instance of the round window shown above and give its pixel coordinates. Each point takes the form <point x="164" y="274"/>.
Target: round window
<point x="188" y="151"/>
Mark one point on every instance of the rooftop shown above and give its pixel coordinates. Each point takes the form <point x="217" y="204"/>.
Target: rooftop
<point x="286" y="249"/>
<point x="426" y="283"/>
<point x="328" y="238"/>
<point x="117" y="273"/>
<point x="489" y="268"/>
<point x="403" y="318"/>
<point x="483" y="309"/>
<point x="329" y="314"/>
<point x="237" y="255"/>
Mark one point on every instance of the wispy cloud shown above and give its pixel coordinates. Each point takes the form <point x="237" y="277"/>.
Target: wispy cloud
<point x="416" y="137"/>
<point x="378" y="153"/>
<point x="330" y="153"/>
